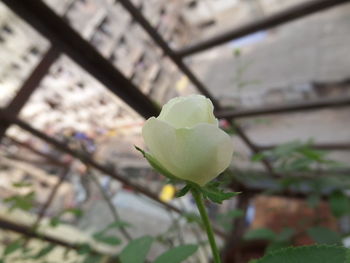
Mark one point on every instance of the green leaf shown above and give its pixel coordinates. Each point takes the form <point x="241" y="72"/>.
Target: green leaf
<point x="339" y="203"/>
<point x="307" y="254"/>
<point x="212" y="192"/>
<point x="286" y="234"/>
<point x="23" y="202"/>
<point x="21" y="184"/>
<point x="225" y="220"/>
<point x="84" y="249"/>
<point x="101" y="236"/>
<point x="177" y="254"/>
<point x="193" y="218"/>
<point x="12" y="247"/>
<point x="156" y="165"/>
<point x="75" y="211"/>
<point x="136" y="251"/>
<point x="118" y="224"/>
<point x="232" y="214"/>
<point x="183" y="191"/>
<point x="109" y="240"/>
<point x="277" y="245"/>
<point x="312" y="154"/>
<point x="92" y="258"/>
<point x="300" y="164"/>
<point x="323" y="235"/>
<point x="261" y="234"/>
<point x="258" y="157"/>
<point x="44" y="251"/>
<point x="55" y="221"/>
<point x="282" y="240"/>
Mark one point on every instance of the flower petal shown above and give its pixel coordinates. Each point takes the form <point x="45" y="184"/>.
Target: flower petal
<point x="160" y="138"/>
<point x="206" y="151"/>
<point x="198" y="154"/>
<point x="188" y="111"/>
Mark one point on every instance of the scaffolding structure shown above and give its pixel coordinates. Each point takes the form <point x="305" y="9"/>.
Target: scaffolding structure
<point x="65" y="40"/>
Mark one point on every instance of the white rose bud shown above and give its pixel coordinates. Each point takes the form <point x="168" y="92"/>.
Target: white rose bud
<point x="185" y="139"/>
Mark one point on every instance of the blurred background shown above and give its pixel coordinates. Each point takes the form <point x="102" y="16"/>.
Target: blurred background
<point x="78" y="78"/>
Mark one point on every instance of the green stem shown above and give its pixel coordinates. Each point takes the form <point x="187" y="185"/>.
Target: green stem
<point x="203" y="212"/>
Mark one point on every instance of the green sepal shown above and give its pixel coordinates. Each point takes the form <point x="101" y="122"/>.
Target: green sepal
<point x="212" y="192"/>
<point x="156" y="165"/>
<point x="183" y="191"/>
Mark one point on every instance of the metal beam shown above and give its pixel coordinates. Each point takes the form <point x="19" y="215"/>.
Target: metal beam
<point x="53" y="27"/>
<point x="47" y="157"/>
<point x="290" y="14"/>
<point x="320" y="146"/>
<point x="253" y="147"/>
<point x="137" y="15"/>
<point x="30" y="85"/>
<point x="278" y="109"/>
<point x="29" y="232"/>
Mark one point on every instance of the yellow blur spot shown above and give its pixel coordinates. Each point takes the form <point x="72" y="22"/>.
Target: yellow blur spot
<point x="182" y="84"/>
<point x="167" y="193"/>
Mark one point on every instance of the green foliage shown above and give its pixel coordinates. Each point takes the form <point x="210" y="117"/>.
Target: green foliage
<point x="118" y="224"/>
<point x="225" y="220"/>
<point x="281" y="240"/>
<point x="103" y="236"/>
<point x="21" y="184"/>
<point x="285" y="235"/>
<point x="177" y="254"/>
<point x="307" y="254"/>
<point x="44" y="251"/>
<point x="323" y="235"/>
<point x="136" y="251"/>
<point x="260" y="233"/>
<point x="75" y="211"/>
<point x="193" y="218"/>
<point x="276" y="241"/>
<point x="12" y="247"/>
<point x="295" y="157"/>
<point x="107" y="239"/>
<point x="22" y="202"/>
<point x="339" y="203"/>
<point x="84" y="249"/>
<point x="56" y="220"/>
<point x="92" y="258"/>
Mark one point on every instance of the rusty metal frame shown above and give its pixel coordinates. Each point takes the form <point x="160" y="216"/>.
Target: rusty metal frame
<point x="285" y="108"/>
<point x="282" y="17"/>
<point x="66" y="40"/>
<point x="30" y="85"/>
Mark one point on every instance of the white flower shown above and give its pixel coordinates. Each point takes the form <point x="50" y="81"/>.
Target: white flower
<point x="185" y="140"/>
